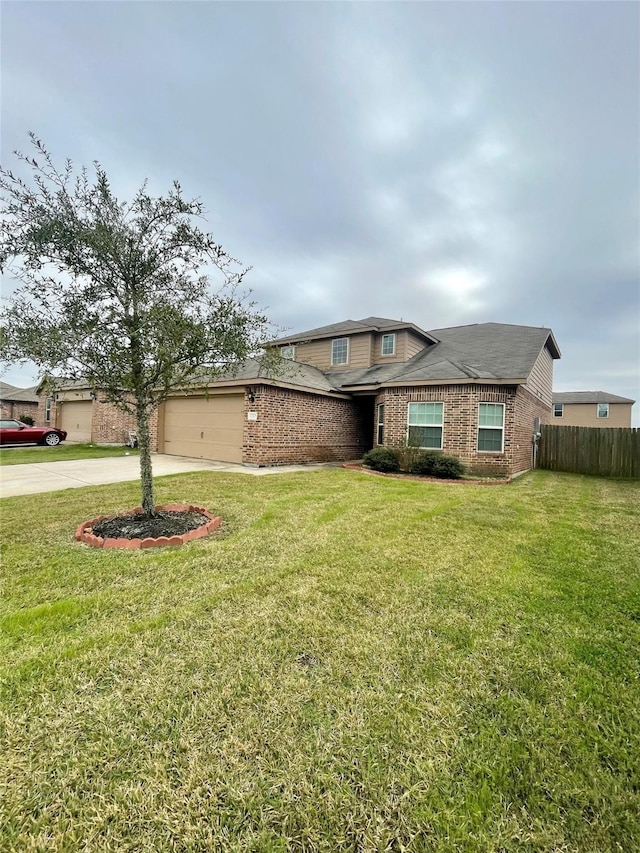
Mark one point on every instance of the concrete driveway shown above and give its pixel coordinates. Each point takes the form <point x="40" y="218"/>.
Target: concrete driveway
<point x="76" y="473"/>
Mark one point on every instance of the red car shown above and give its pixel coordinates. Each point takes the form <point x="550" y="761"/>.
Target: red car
<point x="15" y="432"/>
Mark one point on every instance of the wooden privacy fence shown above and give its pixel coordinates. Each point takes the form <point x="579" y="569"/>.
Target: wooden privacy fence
<point x="607" y="452"/>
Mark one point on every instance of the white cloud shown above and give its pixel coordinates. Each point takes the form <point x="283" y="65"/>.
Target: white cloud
<point x="461" y="285"/>
<point x="442" y="162"/>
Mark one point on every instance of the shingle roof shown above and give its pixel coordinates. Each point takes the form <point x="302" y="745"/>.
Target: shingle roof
<point x="498" y="351"/>
<point x="484" y="351"/>
<point x="568" y="397"/>
<point x="60" y="383"/>
<point x="368" y="324"/>
<point x="18" y="395"/>
<point x="489" y="351"/>
<point x="284" y="371"/>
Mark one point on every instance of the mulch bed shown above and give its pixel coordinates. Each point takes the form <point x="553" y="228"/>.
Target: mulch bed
<point x="174" y="524"/>
<point x="398" y="475"/>
<point x="137" y="526"/>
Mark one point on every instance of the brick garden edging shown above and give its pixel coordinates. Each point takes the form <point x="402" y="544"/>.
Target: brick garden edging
<point x="84" y="532"/>
<point x="353" y="466"/>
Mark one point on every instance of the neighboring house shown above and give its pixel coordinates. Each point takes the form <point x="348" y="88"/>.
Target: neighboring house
<point x="591" y="409"/>
<point x="16" y="402"/>
<point x="476" y="392"/>
<point x="82" y="413"/>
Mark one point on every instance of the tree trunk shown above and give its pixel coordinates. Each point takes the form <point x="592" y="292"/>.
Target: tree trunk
<point x="146" y="473"/>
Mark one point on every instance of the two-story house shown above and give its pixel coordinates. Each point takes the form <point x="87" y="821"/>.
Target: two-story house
<point x="476" y="392"/>
<point x="591" y="409"/>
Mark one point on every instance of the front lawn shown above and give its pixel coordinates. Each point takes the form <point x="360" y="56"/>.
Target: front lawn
<point x="61" y="453"/>
<point x="354" y="664"/>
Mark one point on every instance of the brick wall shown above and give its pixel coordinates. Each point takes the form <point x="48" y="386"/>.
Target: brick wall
<point x="295" y="427"/>
<point x="15" y="409"/>
<point x="111" y="425"/>
<point x="527" y="409"/>
<point x="40" y="417"/>
<point x="460" y="428"/>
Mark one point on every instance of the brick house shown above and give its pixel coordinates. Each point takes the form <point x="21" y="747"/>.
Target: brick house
<point x="16" y="402"/>
<point x="475" y="392"/>
<point x="591" y="409"/>
<point x="83" y="413"/>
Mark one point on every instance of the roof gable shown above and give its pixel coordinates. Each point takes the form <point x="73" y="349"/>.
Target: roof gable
<point x="349" y="327"/>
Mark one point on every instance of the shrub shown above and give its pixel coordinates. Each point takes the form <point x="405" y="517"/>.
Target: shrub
<point x="407" y="455"/>
<point x="448" y="467"/>
<point x="27" y="419"/>
<point x="424" y="463"/>
<point x="382" y="459"/>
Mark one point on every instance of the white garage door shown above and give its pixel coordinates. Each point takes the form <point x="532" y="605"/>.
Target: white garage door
<point x="76" y="420"/>
<point x="205" y="428"/>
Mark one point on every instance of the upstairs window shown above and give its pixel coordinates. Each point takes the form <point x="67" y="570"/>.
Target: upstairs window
<point x="491" y="427"/>
<point x="340" y="351"/>
<point x="288" y="352"/>
<point x="603" y="410"/>
<point x="388" y="346"/>
<point x="558" y="410"/>
<point x="424" y="425"/>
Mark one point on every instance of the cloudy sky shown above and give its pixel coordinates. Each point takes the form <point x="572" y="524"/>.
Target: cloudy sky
<point x="444" y="163"/>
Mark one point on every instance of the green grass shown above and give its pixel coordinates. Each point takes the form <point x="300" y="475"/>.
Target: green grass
<point x="354" y="664"/>
<point x="25" y="455"/>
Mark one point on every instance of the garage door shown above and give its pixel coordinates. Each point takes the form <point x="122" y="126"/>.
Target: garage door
<point x="205" y="428"/>
<point x="76" y="420"/>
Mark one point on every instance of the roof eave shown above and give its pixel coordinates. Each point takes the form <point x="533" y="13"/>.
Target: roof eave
<point x="404" y="383"/>
<point x="554" y="349"/>
<point x="304" y="338"/>
<point x="412" y="327"/>
<point x="259" y="380"/>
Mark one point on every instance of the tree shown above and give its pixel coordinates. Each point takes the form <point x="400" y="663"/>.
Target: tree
<point x="118" y="294"/>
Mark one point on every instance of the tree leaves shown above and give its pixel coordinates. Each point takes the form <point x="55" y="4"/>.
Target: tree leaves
<point x="132" y="296"/>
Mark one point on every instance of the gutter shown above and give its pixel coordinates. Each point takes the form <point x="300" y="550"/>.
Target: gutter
<point x="260" y="380"/>
<point x="399" y="383"/>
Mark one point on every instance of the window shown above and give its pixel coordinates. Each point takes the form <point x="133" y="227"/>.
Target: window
<point x="603" y="410"/>
<point x="288" y="352"/>
<point x="424" y="423"/>
<point x="48" y="403"/>
<point x="380" y="431"/>
<point x="340" y="351"/>
<point x="558" y="410"/>
<point x="388" y="344"/>
<point x="491" y="427"/>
